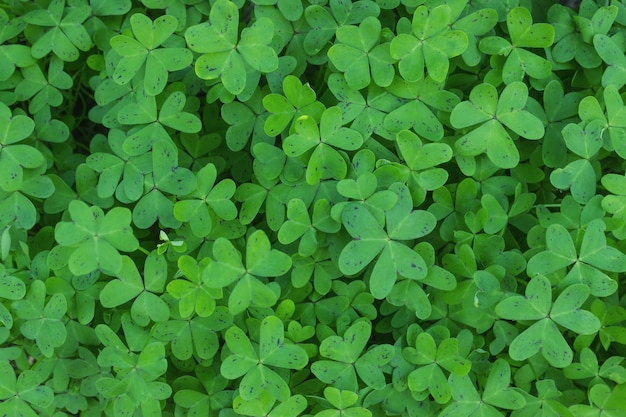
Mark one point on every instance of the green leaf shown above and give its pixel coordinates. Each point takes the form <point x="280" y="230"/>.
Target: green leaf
<point x="560" y="252"/>
<point x="255" y="46"/>
<point x="96" y="238"/>
<point x="525" y="34"/>
<point x="273" y="351"/>
<point x="615" y="73"/>
<point x="497" y="391"/>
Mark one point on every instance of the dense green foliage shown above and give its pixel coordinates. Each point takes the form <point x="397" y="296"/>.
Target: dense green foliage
<point x="313" y="208"/>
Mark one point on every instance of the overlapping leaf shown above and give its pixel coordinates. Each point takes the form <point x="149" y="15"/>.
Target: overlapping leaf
<point x="429" y="46"/>
<point x="223" y="56"/>
<point x="543" y="336"/>
<point x="495" y="115"/>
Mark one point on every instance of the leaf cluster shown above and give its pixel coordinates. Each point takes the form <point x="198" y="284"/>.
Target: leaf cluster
<point x="312" y="208"/>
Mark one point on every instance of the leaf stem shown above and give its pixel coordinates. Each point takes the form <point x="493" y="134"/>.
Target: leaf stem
<point x="143" y="250"/>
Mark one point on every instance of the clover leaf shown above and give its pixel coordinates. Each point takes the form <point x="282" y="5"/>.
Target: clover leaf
<point x="524" y="34"/>
<point x="543" y="335"/>
<point x="432" y="360"/>
<point x="588" y="367"/>
<point x="545" y="404"/>
<point x="593" y="257"/>
<point x="144" y="112"/>
<point x="325" y="161"/>
<point x="421" y="159"/>
<point x="371" y="240"/>
<point x="347" y="359"/>
<point x="560" y="108"/>
<point x="422" y="96"/>
<point x="167" y="177"/>
<point x="358" y="55"/>
<point x="615" y="202"/>
<point x="430" y="45"/>
<point x="14" y="157"/>
<point x="42" y="320"/>
<point x="208" y="394"/>
<point x="344" y="402"/>
<point x="579" y="175"/>
<point x="43" y="92"/>
<point x="225" y="58"/>
<point x="299" y="100"/>
<point x="574" y="36"/>
<point x="261" y="261"/>
<point x="264" y="405"/>
<point x="208" y="198"/>
<point x="143" y="52"/>
<point x="495" y="114"/>
<point x="135" y="385"/>
<point x="18" y="394"/>
<point x="615" y="73"/>
<point x="120" y="173"/>
<point x="192" y="295"/>
<point x="606" y="402"/>
<point x="95" y="238"/>
<point x="147" y="305"/>
<point x="197" y="335"/>
<point x="254" y="365"/>
<point x="67" y="34"/>
<point x="496" y="394"/>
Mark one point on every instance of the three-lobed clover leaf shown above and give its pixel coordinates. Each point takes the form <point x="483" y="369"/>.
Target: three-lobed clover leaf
<point x="432" y="360"/>
<point x="593" y="257"/>
<point x="120" y="173"/>
<point x="524" y="34"/>
<point x="207" y="394"/>
<point x="197" y="335"/>
<point x="255" y="365"/>
<point x="589" y="367"/>
<point x="325" y="161"/>
<point x="298" y="100"/>
<point x="360" y="56"/>
<point x="42" y="319"/>
<point x="324" y="21"/>
<point x="543" y="336"/>
<point x="18" y="394"/>
<point x="143" y="52"/>
<point x="226" y="58"/>
<point x="494" y="114"/>
<point x="605" y="402"/>
<point x="192" y="295"/>
<point x="96" y="238"/>
<point x="430" y="45"/>
<point x="41" y="91"/>
<point x="141" y="288"/>
<point x="497" y="394"/>
<point x="143" y="111"/>
<point x="135" y="384"/>
<point x="261" y="261"/>
<point x="167" y="178"/>
<point x="67" y="35"/>
<point x="346" y="358"/>
<point x="545" y="404"/>
<point x="208" y="198"/>
<point x="423" y="97"/>
<point x="421" y="161"/>
<point x="371" y="240"/>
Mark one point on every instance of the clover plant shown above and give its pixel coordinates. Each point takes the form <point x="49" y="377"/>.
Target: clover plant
<point x="314" y="208"/>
